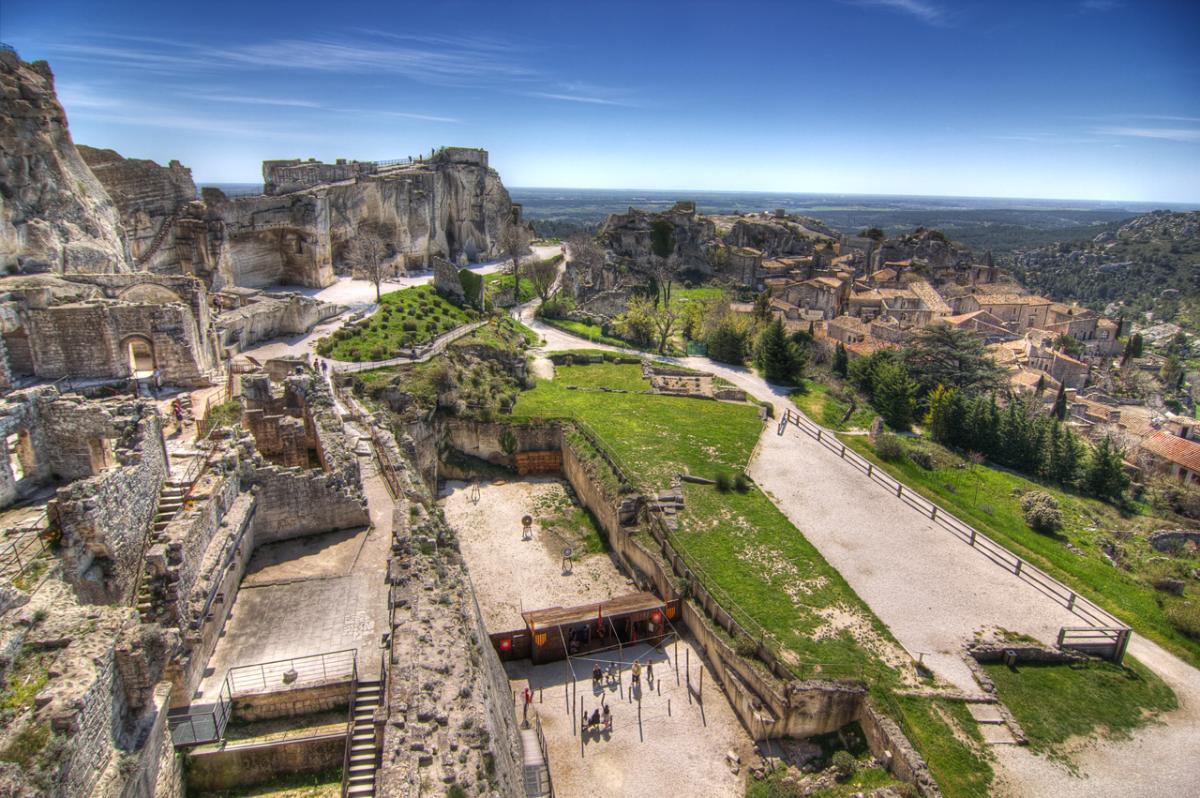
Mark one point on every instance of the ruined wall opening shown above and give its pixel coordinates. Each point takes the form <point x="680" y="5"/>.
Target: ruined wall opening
<point x="20" y="356"/>
<point x="22" y="458"/>
<point x="140" y="353"/>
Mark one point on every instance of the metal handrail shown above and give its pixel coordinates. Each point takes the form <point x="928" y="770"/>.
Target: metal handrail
<point x="996" y="552"/>
<point x="349" y="729"/>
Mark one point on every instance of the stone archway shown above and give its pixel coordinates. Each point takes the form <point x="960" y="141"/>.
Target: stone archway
<point x="139" y="353"/>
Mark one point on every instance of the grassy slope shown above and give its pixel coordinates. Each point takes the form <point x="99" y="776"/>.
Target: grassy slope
<point x="589" y="332"/>
<point x="383" y="334"/>
<point x="1056" y="702"/>
<point x="814" y="400"/>
<point x="1087" y="523"/>
<point x="743" y="541"/>
<point x="626" y="376"/>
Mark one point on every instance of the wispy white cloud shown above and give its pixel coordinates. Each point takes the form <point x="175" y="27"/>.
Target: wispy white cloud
<point x="163" y="118"/>
<point x="242" y="100"/>
<point x="397" y="114"/>
<point x="1097" y="6"/>
<point x="574" y="98"/>
<point x="926" y="12"/>
<point x="1180" y="134"/>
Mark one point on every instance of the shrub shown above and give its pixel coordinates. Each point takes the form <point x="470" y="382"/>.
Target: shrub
<point x="888" y="447"/>
<point x="1184" y="616"/>
<point x="922" y="457"/>
<point x="1041" y="512"/>
<point x="723" y="482"/>
<point x="843" y="762"/>
<point x="741" y="483"/>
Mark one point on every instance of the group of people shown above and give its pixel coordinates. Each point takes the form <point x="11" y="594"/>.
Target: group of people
<point x="600" y="718"/>
<point x="602" y="677"/>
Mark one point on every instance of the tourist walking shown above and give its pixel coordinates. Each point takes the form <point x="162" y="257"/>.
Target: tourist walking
<point x="637" y="673"/>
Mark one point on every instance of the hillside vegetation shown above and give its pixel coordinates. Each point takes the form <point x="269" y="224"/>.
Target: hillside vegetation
<point x="1151" y="264"/>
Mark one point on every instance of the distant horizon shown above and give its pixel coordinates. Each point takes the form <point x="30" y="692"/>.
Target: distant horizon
<point x="948" y="98"/>
<point x="1165" y="205"/>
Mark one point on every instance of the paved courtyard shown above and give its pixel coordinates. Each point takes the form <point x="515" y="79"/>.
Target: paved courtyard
<point x="311" y="595"/>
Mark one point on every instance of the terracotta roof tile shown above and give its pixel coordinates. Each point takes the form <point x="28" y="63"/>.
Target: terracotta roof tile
<point x="1175" y="449"/>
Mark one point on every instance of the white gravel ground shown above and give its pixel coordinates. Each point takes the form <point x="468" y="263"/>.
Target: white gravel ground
<point x="512" y="575"/>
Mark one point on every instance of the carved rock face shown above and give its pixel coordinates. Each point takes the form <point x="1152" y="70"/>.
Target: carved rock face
<point x="55" y="215"/>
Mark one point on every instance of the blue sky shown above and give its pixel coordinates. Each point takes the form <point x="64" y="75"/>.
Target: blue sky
<point x="1095" y="99"/>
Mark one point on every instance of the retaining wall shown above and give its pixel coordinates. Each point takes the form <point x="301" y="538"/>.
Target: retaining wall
<point x="291" y="703"/>
<point x="258" y="763"/>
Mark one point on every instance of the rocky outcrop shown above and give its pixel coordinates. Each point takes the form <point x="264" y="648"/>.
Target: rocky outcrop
<point x="55" y="216"/>
<point x="778" y="236"/>
<point x="151" y="200"/>
<point x="678" y="235"/>
<point x="929" y="250"/>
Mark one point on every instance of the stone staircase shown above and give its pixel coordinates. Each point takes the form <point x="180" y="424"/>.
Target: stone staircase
<point x="170" y="502"/>
<point x="159" y="237"/>
<point x="361" y="764"/>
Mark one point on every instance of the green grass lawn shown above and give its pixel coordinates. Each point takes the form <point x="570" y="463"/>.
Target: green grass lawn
<point x="1056" y="702"/>
<point x="753" y="556"/>
<point x="407" y="318"/>
<point x="626" y="376"/>
<point x="498" y="281"/>
<point x="989" y="499"/>
<point x="815" y="401"/>
<point x="960" y="769"/>
<point x="589" y="332"/>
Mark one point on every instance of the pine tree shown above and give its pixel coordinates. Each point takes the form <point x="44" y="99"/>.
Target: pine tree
<point x="895" y="394"/>
<point x="779" y="359"/>
<point x="841" y="360"/>
<point x="1105" y="476"/>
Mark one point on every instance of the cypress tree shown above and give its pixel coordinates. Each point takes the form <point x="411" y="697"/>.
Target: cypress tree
<point x="841" y="360"/>
<point x="1060" y="404"/>
<point x="895" y="394"/>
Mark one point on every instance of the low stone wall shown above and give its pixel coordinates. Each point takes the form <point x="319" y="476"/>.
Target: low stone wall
<point x="258" y="763"/>
<point x="889" y="745"/>
<point x="271" y="316"/>
<point x="306" y="700"/>
<point x="483" y="439"/>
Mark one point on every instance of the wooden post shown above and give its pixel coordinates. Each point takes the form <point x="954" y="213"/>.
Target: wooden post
<point x="973" y="536"/>
<point x="818" y="436"/>
<point x="1017" y="570"/>
<point x="641" y="737"/>
<point x="899" y="489"/>
<point x="581" y="711"/>
<point x="1071" y="602"/>
<point x="933" y="514"/>
<point x="668" y="707"/>
<point x="870" y="469"/>
<point x="843" y="454"/>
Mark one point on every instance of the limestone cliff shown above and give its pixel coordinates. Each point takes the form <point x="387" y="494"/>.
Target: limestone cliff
<point x="151" y="200"/>
<point x="776" y="236"/>
<point x="54" y="214"/>
<point x="451" y="206"/>
<point x="929" y="250"/>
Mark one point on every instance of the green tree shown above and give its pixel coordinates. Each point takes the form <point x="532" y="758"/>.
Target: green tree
<point x="1060" y="404"/>
<point x="779" y="359"/>
<point x="762" y="306"/>
<point x="953" y="357"/>
<point x="841" y="360"/>
<point x="895" y="394"/>
<point x="1105" y="476"/>
<point x="1133" y="348"/>
<point x="946" y="417"/>
<point x="729" y="342"/>
<point x="636" y="324"/>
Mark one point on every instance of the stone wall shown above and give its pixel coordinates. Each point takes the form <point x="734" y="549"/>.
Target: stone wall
<point x="210" y="768"/>
<point x="889" y="745"/>
<point x="271" y="317"/>
<point x="294" y="503"/>
<point x="106" y="519"/>
<point x="482" y="439"/>
<point x="249" y="707"/>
